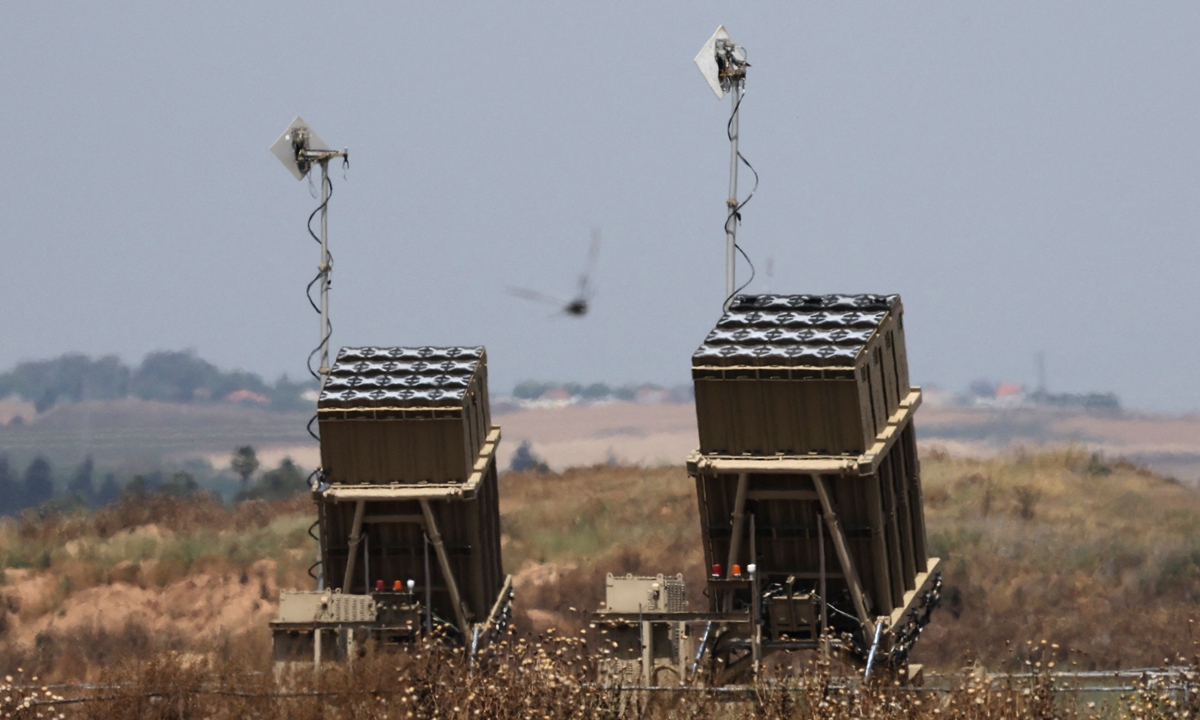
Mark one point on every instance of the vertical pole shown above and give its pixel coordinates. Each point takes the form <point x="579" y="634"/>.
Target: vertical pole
<point x="755" y="607"/>
<point x="428" y="589"/>
<point x="821" y="552"/>
<point x="320" y="546"/>
<point x="732" y="202"/>
<point x="756" y="616"/>
<point x="824" y="602"/>
<point x="367" y="562"/>
<point x="647" y="652"/>
<point x="324" y="269"/>
<point x="735" y="540"/>
<point x="753" y="546"/>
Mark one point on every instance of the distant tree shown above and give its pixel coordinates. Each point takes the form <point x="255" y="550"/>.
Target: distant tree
<point x="168" y="376"/>
<point x="181" y="484"/>
<point x="109" y="491"/>
<point x="172" y="376"/>
<point x="288" y="395"/>
<point x="626" y="392"/>
<point x="45" y="400"/>
<point x="81" y="485"/>
<point x="244" y="462"/>
<point x="596" y="391"/>
<point x="139" y="486"/>
<point x="982" y="387"/>
<point x="524" y="460"/>
<point x="39" y="482"/>
<point x="530" y="390"/>
<point x="8" y="488"/>
<point x="71" y="378"/>
<point x="283" y="482"/>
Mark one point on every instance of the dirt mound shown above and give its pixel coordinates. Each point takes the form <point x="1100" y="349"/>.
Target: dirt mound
<point x="200" y="606"/>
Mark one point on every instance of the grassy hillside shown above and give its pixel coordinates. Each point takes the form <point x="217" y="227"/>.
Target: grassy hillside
<point x="1102" y="559"/>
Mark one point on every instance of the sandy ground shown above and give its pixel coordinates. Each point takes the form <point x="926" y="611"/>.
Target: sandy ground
<point x="12" y="408"/>
<point x="202" y="605"/>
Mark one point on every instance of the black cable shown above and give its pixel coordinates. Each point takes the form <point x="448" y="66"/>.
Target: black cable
<point x="735" y="211"/>
<point x="836" y="609"/>
<point x="752" y="271"/>
<point x="322" y="276"/>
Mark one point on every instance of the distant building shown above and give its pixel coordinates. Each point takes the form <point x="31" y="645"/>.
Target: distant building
<point x="1010" y="395"/>
<point x="1006" y="395"/>
<point x="1085" y="401"/>
<point x="246" y="396"/>
<point x="1009" y="390"/>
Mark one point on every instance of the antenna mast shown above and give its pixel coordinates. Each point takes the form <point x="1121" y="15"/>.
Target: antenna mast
<point x="299" y="148"/>
<point x="723" y="64"/>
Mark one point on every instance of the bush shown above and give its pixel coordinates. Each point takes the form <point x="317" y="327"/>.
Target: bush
<point x="285" y="481"/>
<point x="524" y="460"/>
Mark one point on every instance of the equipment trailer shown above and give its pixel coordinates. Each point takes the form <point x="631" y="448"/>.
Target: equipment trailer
<point x="407" y="507"/>
<point x="809" y="486"/>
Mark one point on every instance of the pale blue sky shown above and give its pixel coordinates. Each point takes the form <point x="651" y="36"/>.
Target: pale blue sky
<point x="1025" y="174"/>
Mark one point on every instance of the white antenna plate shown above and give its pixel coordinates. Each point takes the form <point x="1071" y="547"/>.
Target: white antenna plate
<point x="706" y="60"/>
<point x="286" y="151"/>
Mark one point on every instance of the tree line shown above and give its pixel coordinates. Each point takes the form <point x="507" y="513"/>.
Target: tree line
<point x="167" y="376"/>
<point x="35" y="486"/>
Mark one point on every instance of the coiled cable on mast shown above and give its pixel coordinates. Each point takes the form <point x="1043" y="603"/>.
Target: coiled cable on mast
<point x="322" y="276"/>
<point x="735" y="210"/>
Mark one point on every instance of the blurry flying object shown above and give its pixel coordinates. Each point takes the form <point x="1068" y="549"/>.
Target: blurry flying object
<point x="577" y="306"/>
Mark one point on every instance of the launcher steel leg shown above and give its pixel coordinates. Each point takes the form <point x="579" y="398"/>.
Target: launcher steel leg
<point x="435" y="537"/>
<point x="843" y="552"/>
<point x="355" y="539"/>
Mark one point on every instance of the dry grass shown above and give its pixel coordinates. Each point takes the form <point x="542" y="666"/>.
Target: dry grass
<point x="548" y="678"/>
<point x="155" y="540"/>
<point x="1100" y="558"/>
<point x="587" y="522"/>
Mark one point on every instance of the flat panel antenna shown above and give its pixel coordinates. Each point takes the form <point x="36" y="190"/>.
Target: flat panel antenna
<point x="722" y="63"/>
<point x="295" y="146"/>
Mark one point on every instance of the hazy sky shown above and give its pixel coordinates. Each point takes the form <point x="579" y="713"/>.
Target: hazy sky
<point x="1026" y="175"/>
